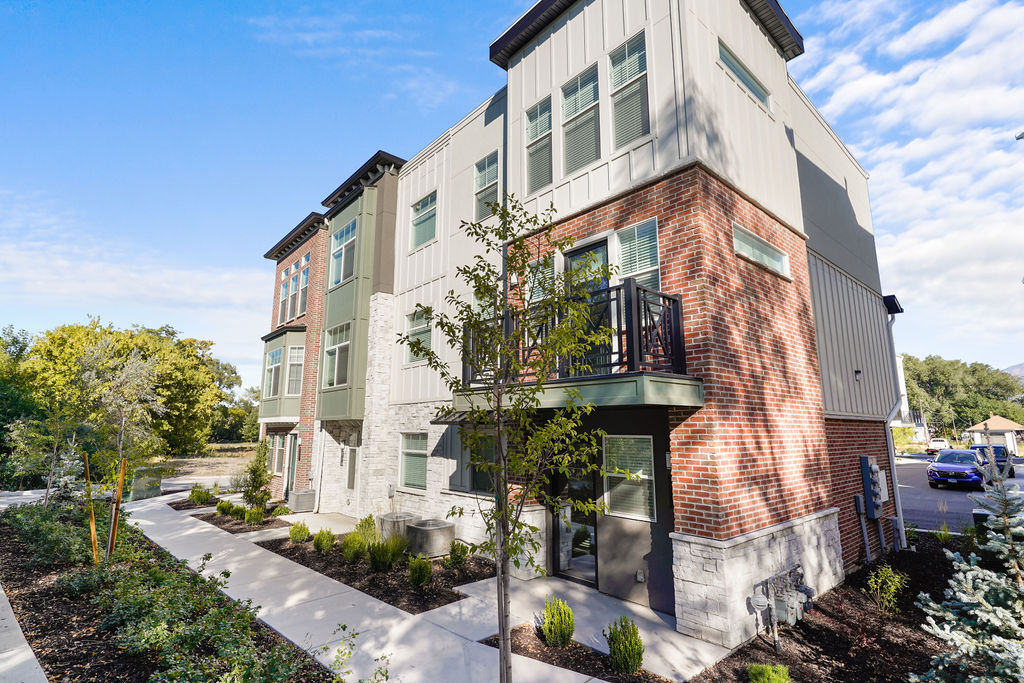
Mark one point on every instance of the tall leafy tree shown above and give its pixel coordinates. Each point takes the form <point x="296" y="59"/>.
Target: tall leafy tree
<point x="18" y="465"/>
<point x="520" y="324"/>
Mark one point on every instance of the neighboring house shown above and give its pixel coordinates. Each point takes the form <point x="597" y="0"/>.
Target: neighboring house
<point x="673" y="144"/>
<point x="1000" y="430"/>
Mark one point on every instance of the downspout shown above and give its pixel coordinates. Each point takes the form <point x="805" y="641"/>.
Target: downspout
<point x="901" y="529"/>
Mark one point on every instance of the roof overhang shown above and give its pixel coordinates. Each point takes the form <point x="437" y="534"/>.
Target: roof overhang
<point x="310" y="224"/>
<point x="368" y="174"/>
<point x="538" y="17"/>
<point x="892" y="304"/>
<point x="282" y="330"/>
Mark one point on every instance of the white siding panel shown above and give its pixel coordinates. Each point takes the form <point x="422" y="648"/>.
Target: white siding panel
<point x="615" y="21"/>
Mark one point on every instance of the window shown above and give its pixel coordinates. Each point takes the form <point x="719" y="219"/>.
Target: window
<point x="486" y="185"/>
<point x="424" y="219"/>
<point x="542" y="278"/>
<point x="750" y="246"/>
<point x="282" y="310"/>
<point x="630" y="107"/>
<point x="276" y="442"/>
<point x="304" y="285"/>
<point x="272" y="386"/>
<point x="638" y="253"/>
<point x="538" y="146"/>
<point x="336" y="356"/>
<point x="343" y="254"/>
<point x="293" y="299"/>
<point x="626" y="497"/>
<point x="480" y="480"/>
<point x="417" y="327"/>
<point x="580" y="120"/>
<point x="743" y="74"/>
<point x="295" y="357"/>
<point x="414" y="460"/>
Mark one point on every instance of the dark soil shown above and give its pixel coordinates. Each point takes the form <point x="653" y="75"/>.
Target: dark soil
<point x="527" y="641"/>
<point x="238" y="526"/>
<point x="392" y="587"/>
<point x="844" y="639"/>
<point x="186" y="504"/>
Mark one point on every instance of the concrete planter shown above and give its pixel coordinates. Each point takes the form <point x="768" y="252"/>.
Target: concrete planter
<point x="431" y="537"/>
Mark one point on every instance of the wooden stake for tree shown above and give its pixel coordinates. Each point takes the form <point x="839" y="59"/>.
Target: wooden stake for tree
<point x="92" y="514"/>
<point x="116" y="512"/>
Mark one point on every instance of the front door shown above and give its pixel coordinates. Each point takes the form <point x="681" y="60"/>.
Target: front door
<point x="599" y="359"/>
<point x="293" y="457"/>
<point x="576" y="543"/>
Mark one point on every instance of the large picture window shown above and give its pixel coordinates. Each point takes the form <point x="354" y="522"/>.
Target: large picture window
<point x="638" y="253"/>
<point x="417" y="327"/>
<point x="336" y="343"/>
<point x="581" y="122"/>
<point x="424" y="220"/>
<point x="343" y="253"/>
<point x="630" y="106"/>
<point x="414" y="460"/>
<point x="485" y="185"/>
<point x="272" y="382"/>
<point x="295" y="358"/>
<point x="538" y="146"/>
<point x="625" y="497"/>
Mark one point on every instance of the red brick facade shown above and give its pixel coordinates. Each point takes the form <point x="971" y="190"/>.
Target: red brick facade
<point x="316" y="246"/>
<point x="847" y="441"/>
<point x="755" y="454"/>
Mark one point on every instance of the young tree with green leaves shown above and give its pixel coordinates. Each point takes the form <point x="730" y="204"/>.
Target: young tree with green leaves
<point x="519" y="324"/>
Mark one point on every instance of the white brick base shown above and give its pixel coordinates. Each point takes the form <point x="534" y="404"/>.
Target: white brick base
<point x="714" y="579"/>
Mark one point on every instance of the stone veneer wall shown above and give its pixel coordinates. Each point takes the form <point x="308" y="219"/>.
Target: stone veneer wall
<point x="714" y="579"/>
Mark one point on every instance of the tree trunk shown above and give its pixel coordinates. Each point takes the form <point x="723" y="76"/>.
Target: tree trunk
<point x="504" y="605"/>
<point x="53" y="466"/>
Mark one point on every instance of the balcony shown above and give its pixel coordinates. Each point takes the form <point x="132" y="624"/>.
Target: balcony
<point x="644" y="364"/>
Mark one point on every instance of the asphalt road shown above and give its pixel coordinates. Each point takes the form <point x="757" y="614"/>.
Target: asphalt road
<point x="923" y="505"/>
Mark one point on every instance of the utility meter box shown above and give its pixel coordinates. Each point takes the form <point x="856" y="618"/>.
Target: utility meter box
<point x="874" y="487"/>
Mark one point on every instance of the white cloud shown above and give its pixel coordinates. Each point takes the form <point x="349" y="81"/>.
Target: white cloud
<point x="53" y="271"/>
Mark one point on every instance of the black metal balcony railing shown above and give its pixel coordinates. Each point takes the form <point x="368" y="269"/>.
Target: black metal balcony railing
<point x="647" y="335"/>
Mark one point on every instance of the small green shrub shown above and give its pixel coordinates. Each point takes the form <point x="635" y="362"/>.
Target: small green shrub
<point x="420" y="571"/>
<point x="298" y="533"/>
<point x="224" y="507"/>
<point x="397" y="545"/>
<point x="323" y="541"/>
<point x="353" y="547"/>
<point x="384" y="555"/>
<point x="884" y="587"/>
<point x="943" y="535"/>
<point x="255" y="482"/>
<point x="625" y="648"/>
<point x="911" y="531"/>
<point x="559" y="623"/>
<point x="238" y="512"/>
<point x="367" y="530"/>
<point x="280" y="510"/>
<point x="216" y="489"/>
<point x="198" y="495"/>
<point x="456" y="557"/>
<point x="85" y="582"/>
<point x="768" y="673"/>
<point x="254" y="516"/>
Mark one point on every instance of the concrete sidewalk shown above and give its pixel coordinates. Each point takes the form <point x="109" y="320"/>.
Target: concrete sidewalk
<point x="18" y="664"/>
<point x="307" y="608"/>
<point x="9" y="498"/>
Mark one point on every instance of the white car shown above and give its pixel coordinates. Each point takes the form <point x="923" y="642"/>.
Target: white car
<point x="936" y="445"/>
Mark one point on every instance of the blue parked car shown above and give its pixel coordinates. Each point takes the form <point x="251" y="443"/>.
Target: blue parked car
<point x="955" y="467"/>
<point x="1000" y="453"/>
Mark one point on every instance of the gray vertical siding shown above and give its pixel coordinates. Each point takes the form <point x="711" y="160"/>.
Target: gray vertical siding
<point x="850" y="321"/>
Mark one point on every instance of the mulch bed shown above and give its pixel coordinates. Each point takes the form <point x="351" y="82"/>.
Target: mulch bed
<point x="843" y="639"/>
<point x="186" y="504"/>
<point x="238" y="526"/>
<point x="526" y="641"/>
<point x="392" y="587"/>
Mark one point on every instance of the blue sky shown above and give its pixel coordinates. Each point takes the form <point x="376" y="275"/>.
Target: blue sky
<point x="151" y="152"/>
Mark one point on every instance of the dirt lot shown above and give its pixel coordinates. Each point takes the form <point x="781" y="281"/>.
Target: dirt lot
<point x="220" y="460"/>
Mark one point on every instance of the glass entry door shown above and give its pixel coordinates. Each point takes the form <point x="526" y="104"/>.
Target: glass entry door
<point x="600" y="357"/>
<point x="576" y="543"/>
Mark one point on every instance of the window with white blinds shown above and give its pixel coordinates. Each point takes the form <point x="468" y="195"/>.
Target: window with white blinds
<point x="485" y="185"/>
<point x="414" y="460"/>
<point x="542" y="278"/>
<point x="625" y="497"/>
<point x="538" y="146"/>
<point x="424" y="220"/>
<point x="742" y="73"/>
<point x="751" y="246"/>
<point x="272" y="380"/>
<point x="581" y="121"/>
<point x="417" y="327"/>
<point x="343" y="253"/>
<point x="630" y="106"/>
<point x="638" y="253"/>
<point x="295" y="358"/>
<point x="336" y="343"/>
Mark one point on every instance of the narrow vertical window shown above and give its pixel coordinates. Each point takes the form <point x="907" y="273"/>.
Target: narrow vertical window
<point x="278" y="453"/>
<point x="304" y="285"/>
<point x="343" y="253"/>
<point x="480" y="479"/>
<point x="293" y="298"/>
<point x="485" y="185"/>
<point x="282" y="310"/>
<point x="336" y="346"/>
<point x="581" y="122"/>
<point x="630" y="106"/>
<point x="272" y="383"/>
<point x="638" y="253"/>
<point x="424" y="220"/>
<point x="538" y="146"/>
<point x="418" y="328"/>
<point x="414" y="460"/>
<point x="295" y="358"/>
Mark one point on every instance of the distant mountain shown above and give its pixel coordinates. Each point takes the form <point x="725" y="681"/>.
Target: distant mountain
<point x="1017" y="370"/>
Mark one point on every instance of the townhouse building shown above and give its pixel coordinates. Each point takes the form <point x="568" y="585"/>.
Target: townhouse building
<point x="751" y="365"/>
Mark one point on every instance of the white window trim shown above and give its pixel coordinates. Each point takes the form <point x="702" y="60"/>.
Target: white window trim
<point x="279" y="453"/>
<point x="409" y="359"/>
<point x="566" y="121"/>
<point x="327" y="348"/>
<point x="615" y="252"/>
<point x="785" y="273"/>
<point x="267" y="368"/>
<point x="414" y="216"/>
<point x="304" y="288"/>
<point x="654" y="488"/>
<point x="476" y="194"/>
<point x="549" y="134"/>
<point x="613" y="93"/>
<point x="402" y="450"/>
<point x="288" y="373"/>
<point x="342" y="249"/>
